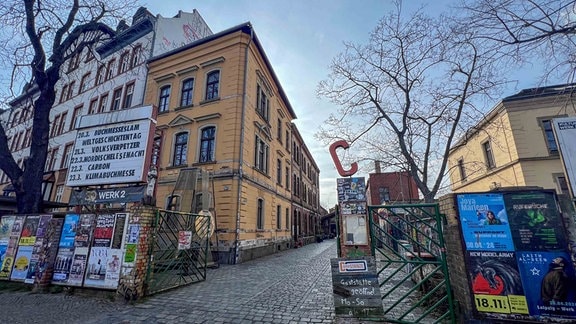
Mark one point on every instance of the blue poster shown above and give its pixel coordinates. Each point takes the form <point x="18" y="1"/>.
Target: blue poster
<point x="69" y="230"/>
<point x="484" y="222"/>
<point x="548" y="280"/>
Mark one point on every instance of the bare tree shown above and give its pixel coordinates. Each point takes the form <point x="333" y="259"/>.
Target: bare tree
<point x="407" y="94"/>
<point x="527" y="31"/>
<point x="38" y="38"/>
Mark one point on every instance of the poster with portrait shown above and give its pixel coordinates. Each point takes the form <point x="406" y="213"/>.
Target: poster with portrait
<point x="29" y="230"/>
<point x="548" y="280"/>
<point x="21" y="263"/>
<point x="69" y="231"/>
<point x="535" y="221"/>
<point x="496" y="283"/>
<point x="484" y="222"/>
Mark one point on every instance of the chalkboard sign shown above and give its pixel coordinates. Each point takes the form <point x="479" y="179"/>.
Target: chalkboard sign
<point x="355" y="287"/>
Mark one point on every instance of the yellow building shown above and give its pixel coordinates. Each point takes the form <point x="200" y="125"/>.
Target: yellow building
<point x="515" y="144"/>
<point x="221" y="108"/>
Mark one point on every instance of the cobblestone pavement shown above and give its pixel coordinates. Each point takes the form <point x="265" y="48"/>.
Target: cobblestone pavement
<point x="292" y="286"/>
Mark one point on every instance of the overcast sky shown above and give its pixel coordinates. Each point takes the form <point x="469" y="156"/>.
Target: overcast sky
<point x="300" y="37"/>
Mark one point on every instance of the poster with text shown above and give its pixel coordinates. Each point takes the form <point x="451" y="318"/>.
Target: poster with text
<point x="535" y="221"/>
<point x="78" y="267"/>
<point x="69" y="230"/>
<point x="351" y="189"/>
<point x="6" y="223"/>
<point x="496" y="282"/>
<point x="96" y="268"/>
<point x="12" y="247"/>
<point x="43" y="223"/>
<point x="113" y="268"/>
<point x="21" y="263"/>
<point x="484" y="222"/>
<point x="119" y="228"/>
<point x="84" y="231"/>
<point x="62" y="265"/>
<point x="130" y="255"/>
<point x="29" y="230"/>
<point x="104" y="230"/>
<point x="548" y="279"/>
<point x="43" y="226"/>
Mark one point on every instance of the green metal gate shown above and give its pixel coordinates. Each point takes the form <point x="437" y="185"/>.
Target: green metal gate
<point x="408" y="244"/>
<point x="178" y="250"/>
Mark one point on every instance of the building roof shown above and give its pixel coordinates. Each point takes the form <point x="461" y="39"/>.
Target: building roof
<point x="247" y="29"/>
<point x="539" y="92"/>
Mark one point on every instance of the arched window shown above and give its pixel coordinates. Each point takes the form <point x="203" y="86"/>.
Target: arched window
<point x="180" y="149"/>
<point x="164" y="99"/>
<point x="212" y="85"/>
<point x="207" y="141"/>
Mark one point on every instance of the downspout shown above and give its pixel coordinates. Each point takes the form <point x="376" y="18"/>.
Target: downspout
<point x="241" y="157"/>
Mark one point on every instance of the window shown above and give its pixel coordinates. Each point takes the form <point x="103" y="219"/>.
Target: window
<point x="84" y="83"/>
<point x="288" y="141"/>
<point x="59" y="193"/>
<point x="279" y="171"/>
<point x="546" y="125"/>
<point x="260" y="214"/>
<point x="462" y="170"/>
<point x="212" y="84"/>
<point x="70" y="90"/>
<point x="261" y="158"/>
<point x="66" y="157"/>
<point x="116" y="99"/>
<point x="262" y="102"/>
<point x="164" y="99"/>
<point x="51" y="159"/>
<point x="562" y="184"/>
<point x="62" y="123"/>
<point x="136" y="53"/>
<point x="129" y="93"/>
<point x="103" y="103"/>
<point x="110" y="69"/>
<point x="207" y="141"/>
<point x="279" y="130"/>
<point x="100" y="74"/>
<point x="287" y="220"/>
<point x="74" y="62"/>
<point x="28" y="137"/>
<point x="92" y="109"/>
<point x="89" y="55"/>
<point x="15" y="119"/>
<point x="287" y="178"/>
<point x="187" y="90"/>
<point x="64" y="92"/>
<point x="124" y="62"/>
<point x="383" y="195"/>
<point x="180" y="149"/>
<point x="278" y="217"/>
<point x="488" y="155"/>
<point x="55" y="123"/>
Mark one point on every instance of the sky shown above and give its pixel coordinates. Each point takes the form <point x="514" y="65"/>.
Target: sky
<point x="300" y="38"/>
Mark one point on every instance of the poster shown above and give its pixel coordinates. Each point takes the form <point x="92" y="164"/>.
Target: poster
<point x="548" y="279"/>
<point x="184" y="240"/>
<point x="130" y="255"/>
<point x="15" y="224"/>
<point x="43" y="223"/>
<point x="484" y="222"/>
<point x="119" y="227"/>
<point x="133" y="233"/>
<point x="69" y="231"/>
<point x="78" y="267"/>
<point x="62" y="265"/>
<point x="103" y="270"/>
<point x="351" y="189"/>
<point x="84" y="230"/>
<point x="496" y="283"/>
<point x="96" y="269"/>
<point x="113" y="268"/>
<point x="104" y="230"/>
<point x="30" y="227"/>
<point x="6" y="223"/>
<point x="21" y="263"/>
<point x="535" y="221"/>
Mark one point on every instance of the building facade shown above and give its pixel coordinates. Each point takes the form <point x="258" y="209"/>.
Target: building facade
<point x="222" y="109"/>
<point x="110" y="76"/>
<point x="515" y="145"/>
<point x="384" y="188"/>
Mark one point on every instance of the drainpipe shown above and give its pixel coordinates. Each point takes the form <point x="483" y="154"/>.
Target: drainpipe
<point x="241" y="161"/>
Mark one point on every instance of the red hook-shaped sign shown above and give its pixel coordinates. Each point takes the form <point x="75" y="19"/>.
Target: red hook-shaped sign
<point x="345" y="173"/>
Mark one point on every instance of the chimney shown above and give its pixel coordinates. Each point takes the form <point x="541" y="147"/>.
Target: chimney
<point x="377" y="166"/>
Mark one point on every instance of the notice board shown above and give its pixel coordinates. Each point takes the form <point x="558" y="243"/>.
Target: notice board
<point x="355" y="287"/>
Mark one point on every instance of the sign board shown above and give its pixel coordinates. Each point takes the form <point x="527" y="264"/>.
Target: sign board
<point x="110" y="148"/>
<point x="107" y="195"/>
<point x="355" y="287"/>
<point x="565" y="131"/>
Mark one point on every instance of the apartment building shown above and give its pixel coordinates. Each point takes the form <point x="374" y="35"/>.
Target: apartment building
<point x="222" y="109"/>
<point x="515" y="144"/>
<point x="110" y="76"/>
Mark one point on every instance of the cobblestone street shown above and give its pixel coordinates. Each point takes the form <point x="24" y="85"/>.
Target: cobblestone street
<point x="292" y="286"/>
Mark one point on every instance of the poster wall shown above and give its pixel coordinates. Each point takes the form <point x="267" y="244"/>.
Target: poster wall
<point x="517" y="255"/>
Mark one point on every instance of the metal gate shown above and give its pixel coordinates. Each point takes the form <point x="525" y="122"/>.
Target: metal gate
<point x="178" y="250"/>
<point x="408" y="244"/>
